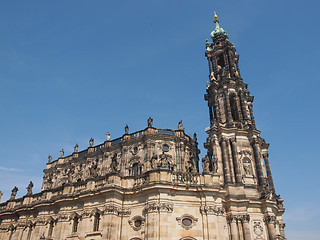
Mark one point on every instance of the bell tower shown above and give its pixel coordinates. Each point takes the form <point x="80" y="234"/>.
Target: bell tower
<point x="235" y="149"/>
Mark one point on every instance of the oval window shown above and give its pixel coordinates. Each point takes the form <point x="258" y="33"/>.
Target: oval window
<point x="165" y="148"/>
<point x="187" y="222"/>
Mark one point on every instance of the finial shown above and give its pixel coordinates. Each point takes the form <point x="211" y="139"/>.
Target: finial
<point x="126" y="129"/>
<point x="216" y="20"/>
<point x="49" y="158"/>
<point x="180" y="125"/>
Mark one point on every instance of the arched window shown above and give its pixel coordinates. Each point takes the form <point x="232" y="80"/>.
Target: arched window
<point x="51" y="225"/>
<point x="233" y="106"/>
<point x="135" y="169"/>
<point x="96" y="222"/>
<point x="75" y="224"/>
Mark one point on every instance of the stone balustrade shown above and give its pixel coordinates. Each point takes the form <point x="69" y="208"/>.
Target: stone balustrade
<point x="113" y="182"/>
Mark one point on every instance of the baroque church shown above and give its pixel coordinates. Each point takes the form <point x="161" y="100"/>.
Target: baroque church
<point x="147" y="185"/>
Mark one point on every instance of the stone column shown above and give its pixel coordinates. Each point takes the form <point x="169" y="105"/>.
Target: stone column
<point x="230" y="160"/>
<point x="235" y="160"/>
<point x="239" y="107"/>
<point x="225" y="161"/>
<point x="152" y="221"/>
<point x="253" y="122"/>
<point x="232" y="220"/>
<point x="270" y="179"/>
<point x="216" y="106"/>
<point x="240" y="228"/>
<point x="281" y="229"/>
<point x="228" y="109"/>
<point x="256" y="152"/>
<point x="149" y="155"/>
<point x="271" y="224"/>
<point x="209" y="63"/>
<point x="246" y="227"/>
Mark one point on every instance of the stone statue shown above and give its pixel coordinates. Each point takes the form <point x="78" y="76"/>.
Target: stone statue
<point x="126" y="129"/>
<point x="154" y="161"/>
<point x="219" y="72"/>
<point x="76" y="148"/>
<point x="13" y="193"/>
<point x="195" y="137"/>
<point x="247" y="167"/>
<point x="49" y="158"/>
<point x="91" y="141"/>
<point x="180" y="126"/>
<point x="212" y="78"/>
<point x="114" y="164"/>
<point x="150" y="122"/>
<point x="163" y="162"/>
<point x="61" y="153"/>
<point x="29" y="188"/>
<point x="189" y="166"/>
<point x="108" y="136"/>
<point x="205" y="164"/>
<point x="1" y="194"/>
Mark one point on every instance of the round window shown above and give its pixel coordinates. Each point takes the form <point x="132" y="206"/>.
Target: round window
<point x="187" y="222"/>
<point x="165" y="148"/>
<point x="137" y="223"/>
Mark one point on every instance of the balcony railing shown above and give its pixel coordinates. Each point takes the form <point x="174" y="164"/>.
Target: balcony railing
<point x="159" y="176"/>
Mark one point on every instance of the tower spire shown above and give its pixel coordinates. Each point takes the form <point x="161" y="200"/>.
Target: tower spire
<point x="218" y="31"/>
<point x="216" y="20"/>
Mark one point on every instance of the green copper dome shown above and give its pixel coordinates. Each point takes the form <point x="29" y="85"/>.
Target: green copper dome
<point x="218" y="30"/>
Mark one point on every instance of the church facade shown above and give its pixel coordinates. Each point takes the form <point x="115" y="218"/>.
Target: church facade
<point x="148" y="185"/>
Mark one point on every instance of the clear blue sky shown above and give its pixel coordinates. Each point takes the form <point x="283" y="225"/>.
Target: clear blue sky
<point x="72" y="70"/>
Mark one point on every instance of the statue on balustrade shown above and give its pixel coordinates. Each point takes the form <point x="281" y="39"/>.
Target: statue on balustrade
<point x="150" y="122"/>
<point x="29" y="188"/>
<point x="13" y="193"/>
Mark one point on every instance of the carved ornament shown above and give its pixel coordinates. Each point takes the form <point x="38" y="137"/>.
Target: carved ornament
<point x="136" y="223"/>
<point x="212" y="210"/>
<point x="158" y="207"/>
<point x="187" y="221"/>
<point x="258" y="229"/>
